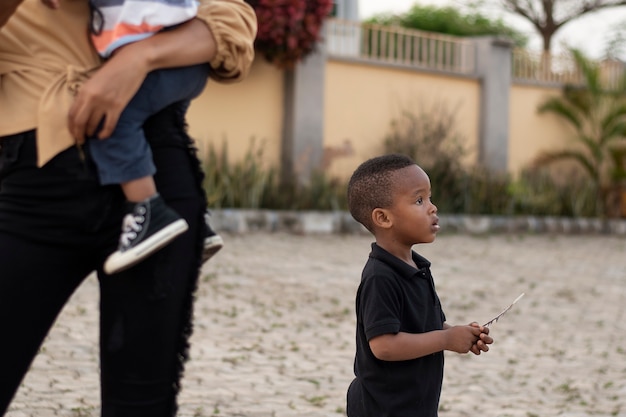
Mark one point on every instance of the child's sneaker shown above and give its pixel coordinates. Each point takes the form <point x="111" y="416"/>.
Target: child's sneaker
<point x="148" y="226"/>
<point x="212" y="241"/>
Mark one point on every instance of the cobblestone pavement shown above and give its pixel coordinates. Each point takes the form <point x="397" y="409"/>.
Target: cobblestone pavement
<point x="274" y="333"/>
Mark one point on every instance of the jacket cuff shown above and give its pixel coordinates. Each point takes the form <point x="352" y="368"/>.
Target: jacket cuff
<point x="233" y="24"/>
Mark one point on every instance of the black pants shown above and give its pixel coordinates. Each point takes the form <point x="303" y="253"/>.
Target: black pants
<point x="57" y="225"/>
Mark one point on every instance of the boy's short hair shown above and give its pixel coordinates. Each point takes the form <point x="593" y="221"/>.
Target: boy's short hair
<point x="371" y="186"/>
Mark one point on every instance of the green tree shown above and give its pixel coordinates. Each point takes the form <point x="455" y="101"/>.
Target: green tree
<point x="450" y="21"/>
<point x="597" y="114"/>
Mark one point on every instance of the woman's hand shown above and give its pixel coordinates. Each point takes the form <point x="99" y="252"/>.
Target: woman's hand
<point x="101" y="99"/>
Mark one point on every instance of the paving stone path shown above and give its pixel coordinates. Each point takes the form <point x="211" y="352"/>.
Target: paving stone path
<point x="274" y="333"/>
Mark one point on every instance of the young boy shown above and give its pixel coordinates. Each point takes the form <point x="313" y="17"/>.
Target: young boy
<point x="401" y="331"/>
<point x="125" y="157"/>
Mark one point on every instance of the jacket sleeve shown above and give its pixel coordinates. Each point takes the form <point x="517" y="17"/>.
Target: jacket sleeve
<point x="234" y="26"/>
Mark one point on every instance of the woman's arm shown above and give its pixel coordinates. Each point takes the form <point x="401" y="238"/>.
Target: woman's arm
<point x="7" y="8"/>
<point x="109" y="90"/>
<point x="189" y="44"/>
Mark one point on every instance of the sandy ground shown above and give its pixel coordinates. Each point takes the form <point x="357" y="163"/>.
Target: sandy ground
<point x="274" y="332"/>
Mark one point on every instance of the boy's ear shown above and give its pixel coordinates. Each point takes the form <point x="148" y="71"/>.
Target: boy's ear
<point x="381" y="218"/>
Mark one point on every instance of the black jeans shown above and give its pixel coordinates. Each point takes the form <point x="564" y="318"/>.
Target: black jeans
<point x="57" y="225"/>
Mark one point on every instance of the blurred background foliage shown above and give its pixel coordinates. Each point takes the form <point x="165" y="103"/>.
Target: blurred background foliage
<point x="429" y="137"/>
<point x="451" y="21"/>
<point x="251" y="184"/>
<point x="289" y="30"/>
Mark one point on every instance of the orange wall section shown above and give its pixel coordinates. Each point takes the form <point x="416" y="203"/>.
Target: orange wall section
<point x="238" y="112"/>
<point x="360" y="102"/>
<point x="363" y="100"/>
<point x="530" y="133"/>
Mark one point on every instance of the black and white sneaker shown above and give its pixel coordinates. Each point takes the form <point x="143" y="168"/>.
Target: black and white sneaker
<point x="148" y="226"/>
<point x="212" y="241"/>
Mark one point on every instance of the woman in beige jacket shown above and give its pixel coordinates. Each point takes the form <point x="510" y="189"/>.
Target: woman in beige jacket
<point x="57" y="224"/>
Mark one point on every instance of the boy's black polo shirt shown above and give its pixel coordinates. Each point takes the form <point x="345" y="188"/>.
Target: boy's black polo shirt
<point x="394" y="297"/>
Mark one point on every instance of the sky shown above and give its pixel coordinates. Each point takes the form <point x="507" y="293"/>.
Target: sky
<point x="590" y="33"/>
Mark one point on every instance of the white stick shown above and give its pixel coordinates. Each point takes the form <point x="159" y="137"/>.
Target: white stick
<point x="496" y="318"/>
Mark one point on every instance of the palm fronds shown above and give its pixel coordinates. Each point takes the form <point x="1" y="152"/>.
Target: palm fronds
<point x="597" y="114"/>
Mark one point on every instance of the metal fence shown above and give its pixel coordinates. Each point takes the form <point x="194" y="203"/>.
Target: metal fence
<point x="395" y="45"/>
<point x="540" y="67"/>
<point x="562" y="69"/>
<point x="432" y="51"/>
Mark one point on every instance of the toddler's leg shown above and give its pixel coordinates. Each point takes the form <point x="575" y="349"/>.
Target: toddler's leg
<point x="125" y="158"/>
<point x="213" y="242"/>
<point x="139" y="189"/>
<point x="183" y="84"/>
<point x="148" y="226"/>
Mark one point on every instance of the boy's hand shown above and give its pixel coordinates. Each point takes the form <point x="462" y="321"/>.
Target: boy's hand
<point x="53" y="4"/>
<point x="462" y="339"/>
<point x="483" y="341"/>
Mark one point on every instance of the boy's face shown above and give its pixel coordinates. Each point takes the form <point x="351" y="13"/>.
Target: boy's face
<point x="414" y="215"/>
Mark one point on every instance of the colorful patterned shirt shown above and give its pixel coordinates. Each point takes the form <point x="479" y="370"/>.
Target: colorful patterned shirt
<point x="118" y="22"/>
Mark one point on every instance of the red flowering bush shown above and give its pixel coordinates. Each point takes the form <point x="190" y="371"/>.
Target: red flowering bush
<point x="288" y="29"/>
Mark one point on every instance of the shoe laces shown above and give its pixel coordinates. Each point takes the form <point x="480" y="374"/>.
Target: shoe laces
<point x="131" y="226"/>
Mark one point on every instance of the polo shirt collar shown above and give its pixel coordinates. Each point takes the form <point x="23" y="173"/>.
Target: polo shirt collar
<point x="402" y="267"/>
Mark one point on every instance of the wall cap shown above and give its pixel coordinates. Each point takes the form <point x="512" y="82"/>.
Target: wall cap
<point x="240" y="221"/>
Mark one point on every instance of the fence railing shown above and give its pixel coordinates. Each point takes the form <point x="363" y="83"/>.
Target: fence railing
<point x="561" y="69"/>
<point x="433" y="51"/>
<point x="545" y="68"/>
<point x="396" y="45"/>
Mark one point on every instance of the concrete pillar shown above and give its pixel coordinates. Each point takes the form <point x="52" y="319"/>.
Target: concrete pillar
<point x="493" y="66"/>
<point x="346" y="9"/>
<point x="303" y="124"/>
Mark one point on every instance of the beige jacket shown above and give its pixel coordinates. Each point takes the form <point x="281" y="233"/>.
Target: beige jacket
<point x="40" y="69"/>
